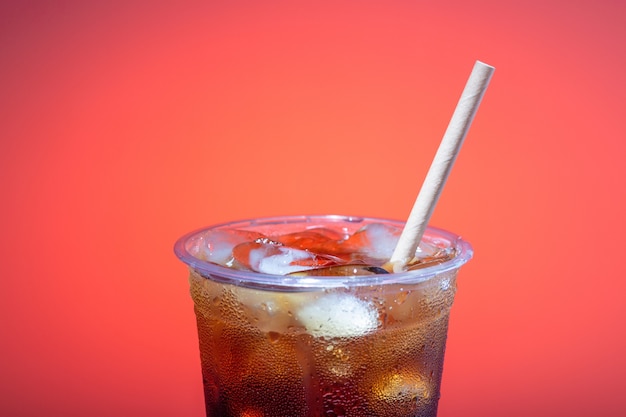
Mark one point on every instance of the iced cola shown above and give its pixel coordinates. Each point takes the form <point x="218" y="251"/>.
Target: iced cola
<point x="297" y="316"/>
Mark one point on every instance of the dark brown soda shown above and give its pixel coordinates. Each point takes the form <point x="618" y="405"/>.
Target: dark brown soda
<point x="259" y="359"/>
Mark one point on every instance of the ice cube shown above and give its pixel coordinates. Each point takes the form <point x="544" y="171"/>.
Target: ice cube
<point x="338" y="315"/>
<point x="405" y="392"/>
<point x="429" y="254"/>
<point x="219" y="244"/>
<point x="315" y="240"/>
<point x="376" y="240"/>
<point x="285" y="261"/>
<point x="270" y="311"/>
<point x="271" y="257"/>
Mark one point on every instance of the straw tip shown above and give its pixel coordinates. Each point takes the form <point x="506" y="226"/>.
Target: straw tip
<point x="482" y="64"/>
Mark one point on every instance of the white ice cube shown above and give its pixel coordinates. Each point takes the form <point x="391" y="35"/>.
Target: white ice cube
<point x="404" y="392"/>
<point x="382" y="240"/>
<point x="338" y="315"/>
<point x="279" y="263"/>
<point x="217" y="246"/>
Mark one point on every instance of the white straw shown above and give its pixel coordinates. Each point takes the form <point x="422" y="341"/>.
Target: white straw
<point x="441" y="165"/>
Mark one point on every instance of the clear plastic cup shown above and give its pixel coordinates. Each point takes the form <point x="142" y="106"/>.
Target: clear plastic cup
<point x="292" y="346"/>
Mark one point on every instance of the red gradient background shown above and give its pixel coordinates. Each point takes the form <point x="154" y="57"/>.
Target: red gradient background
<point x="125" y="124"/>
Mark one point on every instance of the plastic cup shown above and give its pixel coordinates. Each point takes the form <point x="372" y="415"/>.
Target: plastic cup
<point x="319" y="346"/>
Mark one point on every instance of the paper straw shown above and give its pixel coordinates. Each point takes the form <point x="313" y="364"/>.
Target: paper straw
<point x="442" y="164"/>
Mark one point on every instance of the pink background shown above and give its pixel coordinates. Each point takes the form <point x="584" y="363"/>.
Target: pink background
<point x="126" y="124"/>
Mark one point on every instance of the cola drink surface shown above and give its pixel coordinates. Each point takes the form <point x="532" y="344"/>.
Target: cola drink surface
<point x="297" y="316"/>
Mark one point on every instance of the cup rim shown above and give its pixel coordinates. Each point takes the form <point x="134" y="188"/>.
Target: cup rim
<point x="287" y="283"/>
